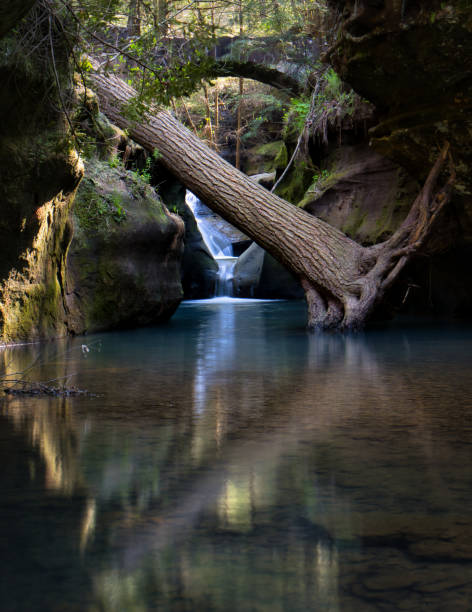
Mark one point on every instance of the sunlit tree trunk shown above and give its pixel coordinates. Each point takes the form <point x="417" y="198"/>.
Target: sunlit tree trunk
<point x="160" y="15"/>
<point x="240" y="103"/>
<point x="134" y="18"/>
<point x="343" y="281"/>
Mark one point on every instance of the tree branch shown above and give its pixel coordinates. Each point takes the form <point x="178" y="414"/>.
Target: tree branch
<point x="257" y="72"/>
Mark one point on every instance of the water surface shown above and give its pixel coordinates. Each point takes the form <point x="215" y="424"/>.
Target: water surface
<point x="231" y="461"/>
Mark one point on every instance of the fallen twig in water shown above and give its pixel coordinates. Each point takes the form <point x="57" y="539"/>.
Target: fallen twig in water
<point x="35" y="389"/>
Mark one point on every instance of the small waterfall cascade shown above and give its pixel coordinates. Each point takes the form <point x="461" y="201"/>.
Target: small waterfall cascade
<point x="218" y="242"/>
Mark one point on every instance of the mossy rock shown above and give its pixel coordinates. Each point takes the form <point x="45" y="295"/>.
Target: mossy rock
<point x="266" y="157"/>
<point x="361" y="193"/>
<point x="199" y="268"/>
<point x="40" y="172"/>
<point x="124" y="260"/>
<point x="294" y="184"/>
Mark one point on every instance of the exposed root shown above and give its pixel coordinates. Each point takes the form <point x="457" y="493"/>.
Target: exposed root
<point x="396" y="252"/>
<point x="316" y="307"/>
<point x="381" y="264"/>
<point x="324" y="313"/>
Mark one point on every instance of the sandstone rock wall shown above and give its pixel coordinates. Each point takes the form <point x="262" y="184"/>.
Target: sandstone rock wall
<point x="39" y="174"/>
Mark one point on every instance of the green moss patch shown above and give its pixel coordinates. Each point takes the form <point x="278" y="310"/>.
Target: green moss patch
<point x="266" y="157"/>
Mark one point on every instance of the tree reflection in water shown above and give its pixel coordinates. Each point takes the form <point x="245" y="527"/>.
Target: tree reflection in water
<point x="236" y="462"/>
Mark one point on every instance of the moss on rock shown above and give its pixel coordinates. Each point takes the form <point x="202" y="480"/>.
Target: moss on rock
<point x="40" y="172"/>
<point x="124" y="261"/>
<point x="267" y="157"/>
<point x="361" y="193"/>
<point x="295" y="182"/>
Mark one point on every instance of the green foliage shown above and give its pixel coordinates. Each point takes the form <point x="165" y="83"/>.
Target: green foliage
<point x="332" y="104"/>
<point x="119" y="213"/>
<point x="94" y="209"/>
<point x="333" y="95"/>
<point x="174" y="209"/>
<point x="321" y="176"/>
<point x="331" y="99"/>
<point x="145" y="173"/>
<point x="114" y="161"/>
<point x="260" y="109"/>
<point x="333" y="86"/>
<point x="253" y="128"/>
<point x="269" y="17"/>
<point x="161" y="73"/>
<point x="99" y="14"/>
<point x="296" y="113"/>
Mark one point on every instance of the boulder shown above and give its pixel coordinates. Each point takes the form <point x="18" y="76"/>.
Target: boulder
<point x="258" y="275"/>
<point x="123" y="266"/>
<point x="199" y="269"/>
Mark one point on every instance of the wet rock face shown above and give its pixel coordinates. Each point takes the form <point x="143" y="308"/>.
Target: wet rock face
<point x="362" y="193"/>
<point x="411" y="59"/>
<point x="39" y="174"/>
<point x="199" y="269"/>
<point x="124" y="262"/>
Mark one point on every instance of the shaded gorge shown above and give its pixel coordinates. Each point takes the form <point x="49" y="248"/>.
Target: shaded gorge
<point x="231" y="461"/>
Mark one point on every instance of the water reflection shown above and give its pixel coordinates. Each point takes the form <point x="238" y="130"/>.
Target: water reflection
<point x="233" y="461"/>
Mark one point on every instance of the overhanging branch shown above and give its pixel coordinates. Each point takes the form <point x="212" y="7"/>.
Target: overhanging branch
<point x="257" y="72"/>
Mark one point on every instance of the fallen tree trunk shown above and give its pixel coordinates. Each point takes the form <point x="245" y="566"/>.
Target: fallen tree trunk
<point x="343" y="280"/>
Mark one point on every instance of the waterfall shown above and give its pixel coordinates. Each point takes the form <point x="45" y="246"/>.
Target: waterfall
<point x="218" y="242"/>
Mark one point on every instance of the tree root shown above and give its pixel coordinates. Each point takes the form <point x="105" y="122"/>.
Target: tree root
<point x="381" y="264"/>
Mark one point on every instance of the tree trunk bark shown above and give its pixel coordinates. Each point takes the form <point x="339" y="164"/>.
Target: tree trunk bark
<point x="134" y="18"/>
<point x="343" y="281"/>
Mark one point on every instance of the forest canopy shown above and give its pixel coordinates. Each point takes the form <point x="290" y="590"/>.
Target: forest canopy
<point x="168" y="48"/>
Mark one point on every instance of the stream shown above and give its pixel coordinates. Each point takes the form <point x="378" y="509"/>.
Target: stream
<point x="228" y="460"/>
<point x="218" y="242"/>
